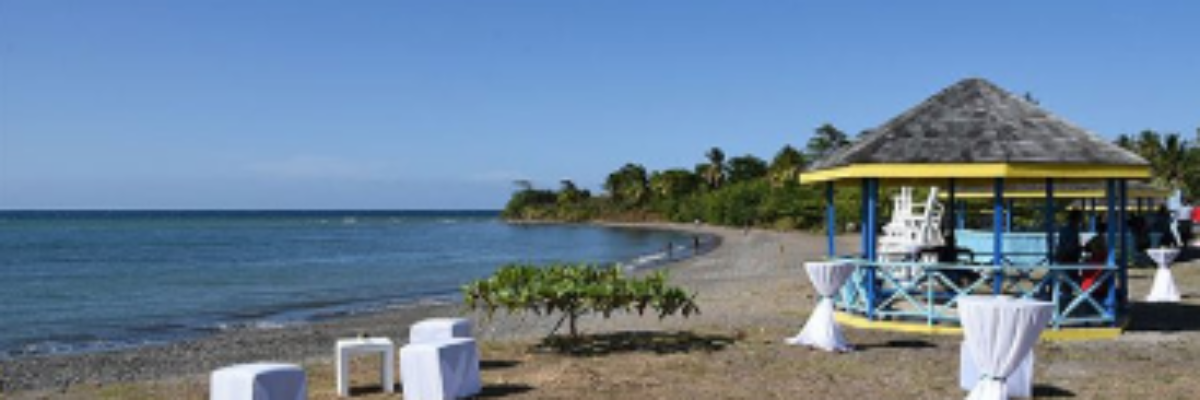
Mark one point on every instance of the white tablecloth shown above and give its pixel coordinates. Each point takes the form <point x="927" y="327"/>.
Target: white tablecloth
<point x="261" y="381"/>
<point x="821" y="330"/>
<point x="440" y="370"/>
<point x="436" y="329"/>
<point x="1000" y="331"/>
<point x="1020" y="382"/>
<point x="1164" y="289"/>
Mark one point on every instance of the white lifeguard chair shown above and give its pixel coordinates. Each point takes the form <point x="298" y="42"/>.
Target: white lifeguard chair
<point x="910" y="230"/>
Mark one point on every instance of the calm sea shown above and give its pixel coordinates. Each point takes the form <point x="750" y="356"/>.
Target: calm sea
<point x="85" y="281"/>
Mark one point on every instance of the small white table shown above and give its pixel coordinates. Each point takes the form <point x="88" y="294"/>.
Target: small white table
<point x="1000" y="332"/>
<point x="346" y="348"/>
<point x="822" y="330"/>
<point x="1164" y="289"/>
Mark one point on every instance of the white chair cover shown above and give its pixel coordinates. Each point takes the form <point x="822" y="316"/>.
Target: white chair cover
<point x="440" y="370"/>
<point x="1020" y="382"/>
<point x="1001" y="332"/>
<point x="261" y="381"/>
<point x="822" y="330"/>
<point x="438" y="329"/>
<point x="1164" y="289"/>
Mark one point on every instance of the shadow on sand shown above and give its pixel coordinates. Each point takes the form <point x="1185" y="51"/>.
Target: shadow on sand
<point x="634" y="342"/>
<point x="896" y="344"/>
<point x="489" y="391"/>
<point x="1164" y="317"/>
<point x="498" y="364"/>
<point x="1042" y="391"/>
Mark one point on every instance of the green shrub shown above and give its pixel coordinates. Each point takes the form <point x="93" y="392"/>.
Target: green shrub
<point x="574" y="290"/>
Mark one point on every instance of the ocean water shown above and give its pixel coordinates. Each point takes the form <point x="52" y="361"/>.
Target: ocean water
<point x="88" y="280"/>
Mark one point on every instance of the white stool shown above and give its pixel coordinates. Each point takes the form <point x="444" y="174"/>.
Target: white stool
<point x="349" y="347"/>
<point x="438" y="329"/>
<point x="261" y="381"/>
<point x="440" y="370"/>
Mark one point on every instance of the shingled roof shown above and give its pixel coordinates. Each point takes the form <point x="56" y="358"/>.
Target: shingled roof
<point x="974" y="121"/>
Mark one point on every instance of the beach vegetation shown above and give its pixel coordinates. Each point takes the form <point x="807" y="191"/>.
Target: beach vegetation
<point x="1174" y="160"/>
<point x="575" y="290"/>
<point x="746" y="191"/>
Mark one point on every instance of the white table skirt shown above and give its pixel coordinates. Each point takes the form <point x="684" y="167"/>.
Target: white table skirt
<point x="822" y="330"/>
<point x="1000" y="331"/>
<point x="261" y="381"/>
<point x="440" y="370"/>
<point x="1163" y="290"/>
<point x="1020" y="382"/>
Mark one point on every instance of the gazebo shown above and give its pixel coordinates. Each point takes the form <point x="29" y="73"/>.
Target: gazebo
<point x="975" y="134"/>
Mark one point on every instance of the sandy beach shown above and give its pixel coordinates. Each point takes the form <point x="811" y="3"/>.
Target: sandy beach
<point x="752" y="293"/>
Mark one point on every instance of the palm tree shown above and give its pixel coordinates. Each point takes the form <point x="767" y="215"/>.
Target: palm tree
<point x="826" y="140"/>
<point x="569" y="193"/>
<point x="786" y="166"/>
<point x="746" y="168"/>
<point x="1171" y="165"/>
<point x="714" y="174"/>
<point x="628" y="186"/>
<point x="673" y="184"/>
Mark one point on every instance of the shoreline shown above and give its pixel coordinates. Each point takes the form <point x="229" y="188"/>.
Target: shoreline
<point x="753" y="293"/>
<point x="300" y="342"/>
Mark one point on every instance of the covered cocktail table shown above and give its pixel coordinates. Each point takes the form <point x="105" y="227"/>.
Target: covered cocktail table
<point x="1000" y="332"/>
<point x="259" y="381"/>
<point x="821" y="330"/>
<point x="1164" y="289"/>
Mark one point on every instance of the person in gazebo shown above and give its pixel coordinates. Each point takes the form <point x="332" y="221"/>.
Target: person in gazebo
<point x="1068" y="250"/>
<point x="1097" y="254"/>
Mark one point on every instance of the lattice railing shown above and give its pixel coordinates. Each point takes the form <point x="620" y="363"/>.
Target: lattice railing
<point x="930" y="292"/>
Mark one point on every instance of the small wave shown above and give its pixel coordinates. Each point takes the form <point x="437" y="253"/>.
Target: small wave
<point x="261" y="324"/>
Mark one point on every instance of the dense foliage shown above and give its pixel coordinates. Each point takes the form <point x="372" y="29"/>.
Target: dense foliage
<point x="574" y="290"/>
<point x="748" y="191"/>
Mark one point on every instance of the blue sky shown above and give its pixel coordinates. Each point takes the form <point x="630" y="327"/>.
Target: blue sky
<point x="441" y="104"/>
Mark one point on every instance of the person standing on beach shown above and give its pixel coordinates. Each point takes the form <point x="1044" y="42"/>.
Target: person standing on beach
<point x="1183" y="223"/>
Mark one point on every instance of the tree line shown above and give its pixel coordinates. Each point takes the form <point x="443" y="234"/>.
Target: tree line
<point x="747" y="191"/>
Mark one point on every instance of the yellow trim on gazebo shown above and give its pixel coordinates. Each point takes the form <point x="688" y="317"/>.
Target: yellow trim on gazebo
<point x="1058" y="194"/>
<point x="1049" y="335"/>
<point x="976" y="171"/>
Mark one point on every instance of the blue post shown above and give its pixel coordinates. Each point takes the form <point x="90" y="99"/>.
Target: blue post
<point x="1008" y="215"/>
<point x="1139" y="206"/>
<point x="1123" y="262"/>
<point x="862" y="223"/>
<point x="962" y="215"/>
<point x="998" y="235"/>
<point x="830" y="219"/>
<point x="872" y="199"/>
<point x="1110" y="301"/>
<point x="1048" y="220"/>
<point x="1092" y="215"/>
